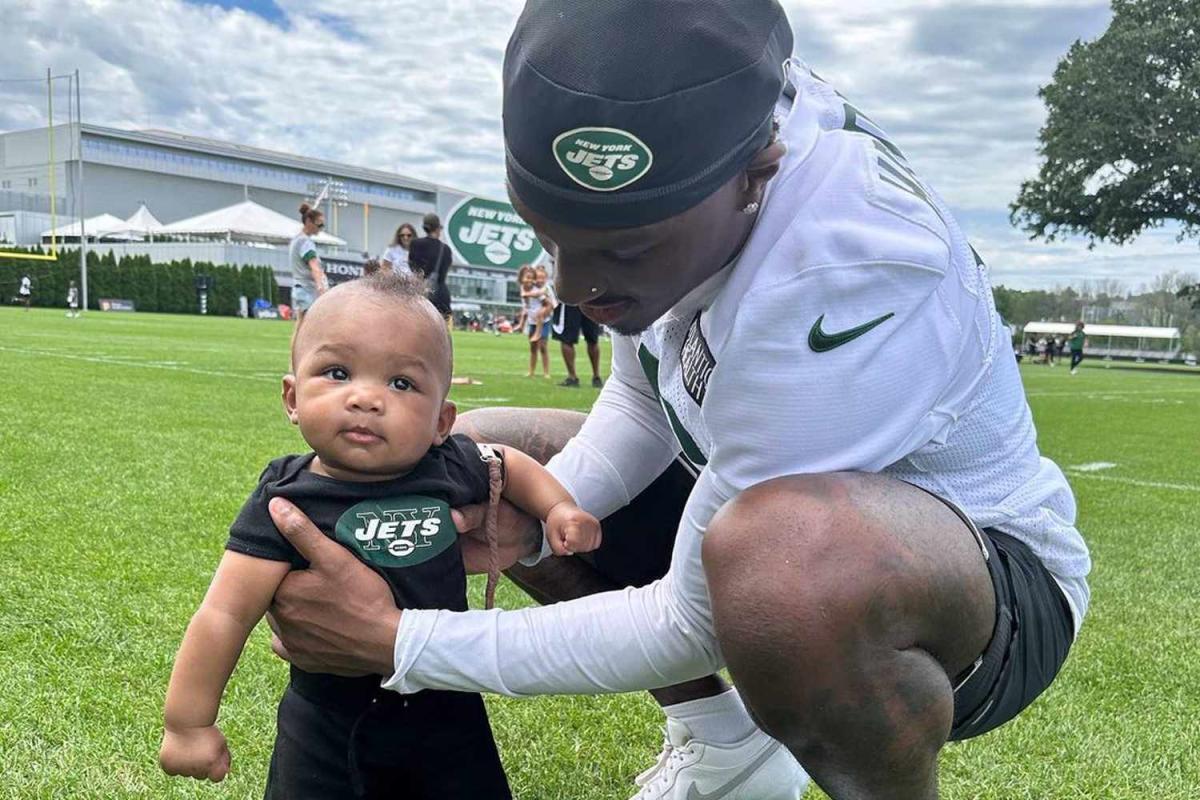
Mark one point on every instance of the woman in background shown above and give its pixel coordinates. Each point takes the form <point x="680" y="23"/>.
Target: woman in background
<point x="395" y="257"/>
<point x="308" y="278"/>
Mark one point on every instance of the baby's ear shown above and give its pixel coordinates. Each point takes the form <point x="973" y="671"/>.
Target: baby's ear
<point x="446" y="418"/>
<point x="289" y="398"/>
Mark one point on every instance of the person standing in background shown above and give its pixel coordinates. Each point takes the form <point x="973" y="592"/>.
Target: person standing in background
<point x="1077" y="341"/>
<point x="72" y="300"/>
<point x="395" y="257"/>
<point x="430" y="257"/>
<point x="569" y="322"/>
<point x="25" y="292"/>
<point x="308" y="278"/>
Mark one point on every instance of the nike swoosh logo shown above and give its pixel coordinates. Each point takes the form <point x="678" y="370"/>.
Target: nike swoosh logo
<point x="695" y="794"/>
<point x="820" y="341"/>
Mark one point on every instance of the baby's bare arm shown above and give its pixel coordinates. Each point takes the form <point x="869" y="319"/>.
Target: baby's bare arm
<point x="237" y="599"/>
<point x="529" y="486"/>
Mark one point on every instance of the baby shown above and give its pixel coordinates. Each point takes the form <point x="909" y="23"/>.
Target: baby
<point x="371" y="366"/>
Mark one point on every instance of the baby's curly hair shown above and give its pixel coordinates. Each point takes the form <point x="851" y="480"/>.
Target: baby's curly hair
<point x="400" y="285"/>
<point x="404" y="288"/>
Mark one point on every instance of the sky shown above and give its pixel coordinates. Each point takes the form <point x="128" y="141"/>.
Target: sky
<point x="414" y="87"/>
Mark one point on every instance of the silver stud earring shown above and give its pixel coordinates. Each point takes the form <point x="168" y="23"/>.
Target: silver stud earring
<point x="751" y="208"/>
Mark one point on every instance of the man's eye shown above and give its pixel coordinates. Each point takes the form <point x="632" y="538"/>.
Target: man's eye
<point x="401" y="384"/>
<point x="336" y="374"/>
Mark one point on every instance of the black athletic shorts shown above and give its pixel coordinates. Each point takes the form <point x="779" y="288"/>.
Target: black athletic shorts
<point x="569" y="321"/>
<point x="1034" y="628"/>
<point x="366" y="743"/>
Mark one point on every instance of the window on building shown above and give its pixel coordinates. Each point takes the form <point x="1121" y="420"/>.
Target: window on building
<point x="32" y="182"/>
<point x="5" y="184"/>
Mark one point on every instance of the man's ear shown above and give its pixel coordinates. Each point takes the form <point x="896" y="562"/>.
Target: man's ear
<point x="761" y="169"/>
<point x="446" y="418"/>
<point x="289" y="398"/>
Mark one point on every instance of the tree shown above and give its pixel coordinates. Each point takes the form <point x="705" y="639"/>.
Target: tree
<point x="1121" y="143"/>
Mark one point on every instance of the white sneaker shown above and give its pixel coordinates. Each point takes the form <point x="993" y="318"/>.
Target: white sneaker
<point x="756" y="768"/>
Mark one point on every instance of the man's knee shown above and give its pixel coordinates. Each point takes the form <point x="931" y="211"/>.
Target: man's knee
<point x="814" y="613"/>
<point x="850" y="554"/>
<point x="762" y="541"/>
<point x="781" y="570"/>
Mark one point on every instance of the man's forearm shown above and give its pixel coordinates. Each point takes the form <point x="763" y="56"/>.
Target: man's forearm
<point x="610" y="642"/>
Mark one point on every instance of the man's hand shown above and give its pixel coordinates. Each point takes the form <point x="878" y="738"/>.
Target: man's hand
<point x="337" y="616"/>
<point x="519" y="534"/>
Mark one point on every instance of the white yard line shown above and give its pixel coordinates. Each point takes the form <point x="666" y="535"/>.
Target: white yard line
<point x="176" y="345"/>
<point x="121" y="362"/>
<point x="1092" y="466"/>
<point x="1117" y="393"/>
<point x="1179" y="487"/>
<point x="479" y="402"/>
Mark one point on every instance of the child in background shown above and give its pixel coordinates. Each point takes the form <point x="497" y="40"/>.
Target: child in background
<point x="535" y="318"/>
<point x="371" y="366"/>
<point x="541" y="280"/>
<point x="536" y="303"/>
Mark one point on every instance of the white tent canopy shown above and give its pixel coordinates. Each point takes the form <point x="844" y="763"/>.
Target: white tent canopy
<point x="102" y="225"/>
<point x="1123" y="331"/>
<point x="245" y="221"/>
<point x="143" y="222"/>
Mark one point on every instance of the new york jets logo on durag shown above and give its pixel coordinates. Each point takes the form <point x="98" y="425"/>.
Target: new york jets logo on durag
<point x="602" y="159"/>
<point x="397" y="531"/>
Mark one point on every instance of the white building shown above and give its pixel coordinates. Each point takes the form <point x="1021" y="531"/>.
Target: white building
<point x="177" y="177"/>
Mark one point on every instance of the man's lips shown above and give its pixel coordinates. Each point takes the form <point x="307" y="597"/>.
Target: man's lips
<point x="607" y="312"/>
<point x="362" y="435"/>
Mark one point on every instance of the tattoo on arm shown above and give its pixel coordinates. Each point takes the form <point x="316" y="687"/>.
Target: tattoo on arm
<point x="539" y="433"/>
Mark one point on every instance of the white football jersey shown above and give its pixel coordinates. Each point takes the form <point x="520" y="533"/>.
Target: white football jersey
<point x="856" y="331"/>
<point x="26" y="285"/>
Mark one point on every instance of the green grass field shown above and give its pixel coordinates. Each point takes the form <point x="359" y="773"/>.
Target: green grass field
<point x="127" y="444"/>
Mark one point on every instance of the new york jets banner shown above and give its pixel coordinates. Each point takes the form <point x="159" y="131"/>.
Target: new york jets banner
<point x="488" y="233"/>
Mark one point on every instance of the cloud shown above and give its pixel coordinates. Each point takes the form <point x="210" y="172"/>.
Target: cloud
<point x="414" y="87"/>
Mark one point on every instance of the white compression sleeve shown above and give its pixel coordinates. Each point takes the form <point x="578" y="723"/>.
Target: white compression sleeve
<point x="612" y="642"/>
<point x="624" y="444"/>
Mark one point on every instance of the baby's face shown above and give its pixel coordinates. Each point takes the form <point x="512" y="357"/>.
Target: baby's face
<point x="369" y="386"/>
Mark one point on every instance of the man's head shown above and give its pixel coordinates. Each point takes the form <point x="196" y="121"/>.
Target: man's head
<point x="638" y="133"/>
<point x="432" y="224"/>
<point x="371" y="366"/>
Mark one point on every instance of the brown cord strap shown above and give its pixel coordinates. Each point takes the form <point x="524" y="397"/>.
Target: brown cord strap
<point x="495" y="486"/>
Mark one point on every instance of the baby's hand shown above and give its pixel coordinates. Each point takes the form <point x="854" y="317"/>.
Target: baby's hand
<point x="572" y="528"/>
<point x="195" y="752"/>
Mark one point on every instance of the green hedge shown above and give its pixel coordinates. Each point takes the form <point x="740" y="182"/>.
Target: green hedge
<point x="168" y="288"/>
